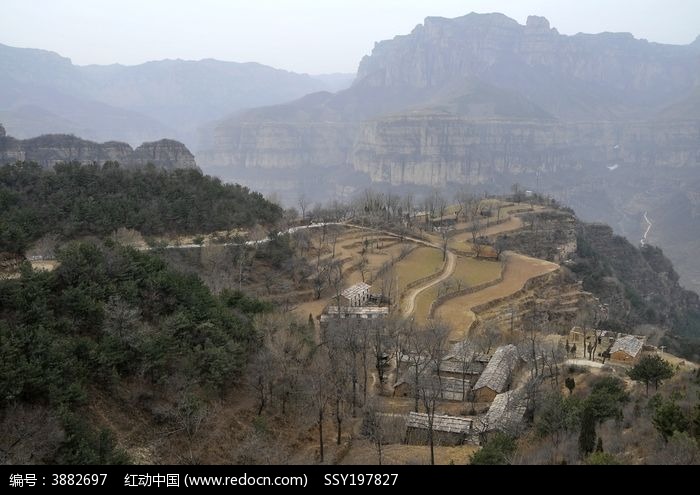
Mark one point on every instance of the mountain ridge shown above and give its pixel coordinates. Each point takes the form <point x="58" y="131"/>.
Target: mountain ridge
<point x="49" y="149"/>
<point x="139" y="102"/>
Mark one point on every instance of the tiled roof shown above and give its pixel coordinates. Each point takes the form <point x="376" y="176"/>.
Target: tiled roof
<point x="628" y="344"/>
<point x="441" y="422"/>
<point x="355" y="289"/>
<point x="497" y="373"/>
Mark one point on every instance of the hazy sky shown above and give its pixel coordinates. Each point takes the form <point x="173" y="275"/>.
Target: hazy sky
<point x="312" y="36"/>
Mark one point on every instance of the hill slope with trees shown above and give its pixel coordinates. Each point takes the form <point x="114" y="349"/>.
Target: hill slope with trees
<point x="74" y="200"/>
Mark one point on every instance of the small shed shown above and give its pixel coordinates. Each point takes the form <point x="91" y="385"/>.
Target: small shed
<point x="497" y="374"/>
<point x="356" y="295"/>
<point x="447" y="430"/>
<point x="626" y="349"/>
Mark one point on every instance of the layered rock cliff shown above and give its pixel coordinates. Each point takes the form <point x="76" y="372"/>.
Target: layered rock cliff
<point x="50" y="149"/>
<point x="434" y="150"/>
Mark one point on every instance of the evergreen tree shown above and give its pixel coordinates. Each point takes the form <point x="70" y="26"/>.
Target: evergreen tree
<point x="651" y="369"/>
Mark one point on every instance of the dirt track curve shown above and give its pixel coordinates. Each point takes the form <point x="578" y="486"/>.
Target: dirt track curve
<point x="409" y="303"/>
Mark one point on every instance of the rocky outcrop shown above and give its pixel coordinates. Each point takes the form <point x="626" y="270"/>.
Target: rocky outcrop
<point x="50" y="149"/>
<point x="166" y="153"/>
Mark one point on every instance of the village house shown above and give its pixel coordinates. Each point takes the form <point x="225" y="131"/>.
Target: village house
<point x="497" y="375"/>
<point x="355" y="296"/>
<point x="461" y="361"/>
<point x="355" y="302"/>
<point x="447" y="430"/>
<point x="627" y="349"/>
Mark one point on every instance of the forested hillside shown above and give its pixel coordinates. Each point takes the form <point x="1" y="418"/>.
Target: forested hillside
<point x="74" y="200"/>
<point x="109" y="316"/>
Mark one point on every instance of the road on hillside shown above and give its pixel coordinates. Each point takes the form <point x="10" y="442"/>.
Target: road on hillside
<point x="409" y="304"/>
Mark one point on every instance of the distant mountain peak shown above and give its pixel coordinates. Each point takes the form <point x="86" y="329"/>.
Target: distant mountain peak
<point x="537" y="22"/>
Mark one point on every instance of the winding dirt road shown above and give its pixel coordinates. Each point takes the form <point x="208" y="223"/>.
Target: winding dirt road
<point x="409" y="301"/>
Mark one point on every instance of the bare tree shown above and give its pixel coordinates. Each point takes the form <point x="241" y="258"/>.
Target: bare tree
<point x="388" y="284"/>
<point x="430" y="392"/>
<point x="334" y="271"/>
<point x="190" y="414"/>
<point x="122" y="321"/>
<point x="444" y="244"/>
<point x="436" y="336"/>
<point x="380" y="342"/>
<point x="487" y="337"/>
<point x="363" y="264"/>
<point x="352" y="343"/>
<point x="45" y="247"/>
<point x="500" y="245"/>
<point x="439" y="205"/>
<point x="320" y="390"/>
<point x="288" y="346"/>
<point x="415" y="352"/>
<point x="374" y="427"/>
<point x="466" y="355"/>
<point x="476" y="237"/>
<point x="303" y="203"/>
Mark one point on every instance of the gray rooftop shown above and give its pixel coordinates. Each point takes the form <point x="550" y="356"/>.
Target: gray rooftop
<point x="461" y="368"/>
<point x="628" y="344"/>
<point x="441" y="422"/>
<point x="452" y="389"/>
<point x="498" y="372"/>
<point x="506" y="412"/>
<point x="355" y="290"/>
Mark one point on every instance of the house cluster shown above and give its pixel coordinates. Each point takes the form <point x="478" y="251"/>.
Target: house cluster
<point x="356" y="302"/>
<point x="465" y="376"/>
<point x="615" y="346"/>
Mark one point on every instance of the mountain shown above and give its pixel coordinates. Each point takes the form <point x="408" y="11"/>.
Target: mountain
<point x="604" y="122"/>
<point x="43" y="92"/>
<point x="50" y="149"/>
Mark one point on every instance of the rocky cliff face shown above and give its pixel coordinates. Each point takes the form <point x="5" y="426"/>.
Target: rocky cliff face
<point x="462" y="100"/>
<point x="51" y="149"/>
<point x="434" y="150"/>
